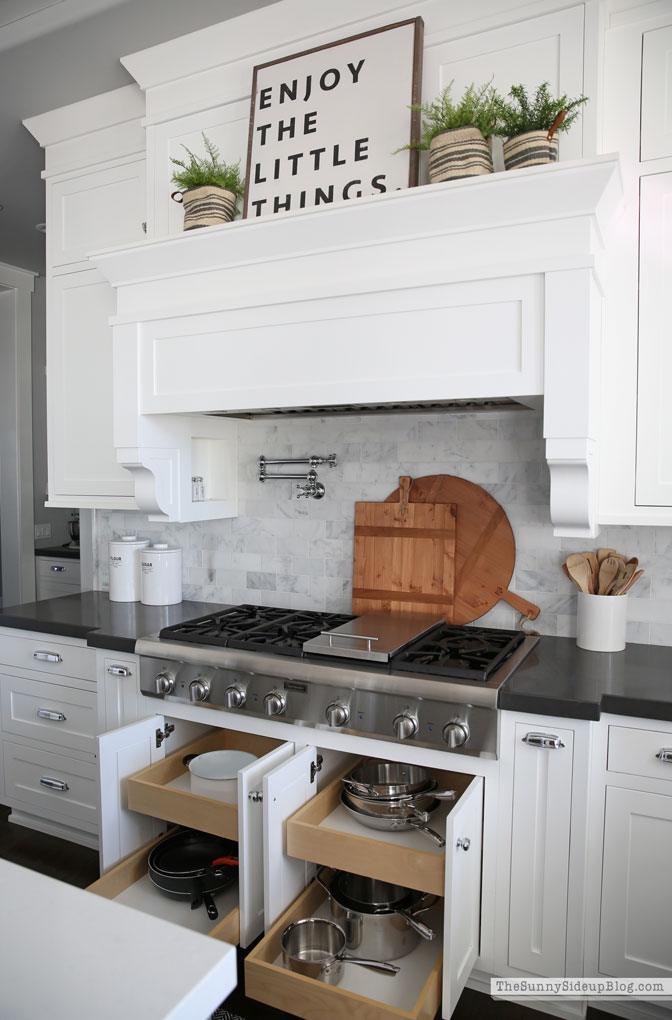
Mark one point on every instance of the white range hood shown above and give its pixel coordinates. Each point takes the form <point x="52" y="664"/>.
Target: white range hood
<point x="481" y="290"/>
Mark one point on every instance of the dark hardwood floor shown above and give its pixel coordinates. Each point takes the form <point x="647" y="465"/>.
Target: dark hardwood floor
<point x="79" y="866"/>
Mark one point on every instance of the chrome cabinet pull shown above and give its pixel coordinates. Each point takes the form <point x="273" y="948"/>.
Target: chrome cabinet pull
<point x="54" y="784"/>
<point x="45" y="713"/>
<point x="57" y="570"/>
<point x="665" y="754"/>
<point x="547" y="740"/>
<point x="47" y="656"/>
<point x="118" y="671"/>
<point x="464" y="843"/>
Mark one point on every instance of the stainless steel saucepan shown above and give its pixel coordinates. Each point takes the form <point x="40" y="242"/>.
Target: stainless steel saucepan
<point x="389" y="779"/>
<point x="315" y="947"/>
<point x="396" y="823"/>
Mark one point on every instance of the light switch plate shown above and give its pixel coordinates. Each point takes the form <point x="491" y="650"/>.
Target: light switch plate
<point x="43" y="531"/>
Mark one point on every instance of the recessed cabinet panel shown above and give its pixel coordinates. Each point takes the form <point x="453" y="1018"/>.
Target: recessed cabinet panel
<point x="82" y="460"/>
<point x="53" y="713"/>
<point x="654" y="407"/>
<point x="636" y="885"/>
<point x="656" y="137"/>
<point x="97" y="209"/>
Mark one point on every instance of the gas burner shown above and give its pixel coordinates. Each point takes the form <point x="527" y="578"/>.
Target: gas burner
<point x="257" y="628"/>
<point x="473" y="653"/>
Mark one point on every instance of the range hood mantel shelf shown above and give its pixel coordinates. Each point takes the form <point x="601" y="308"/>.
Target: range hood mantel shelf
<point x="475" y="290"/>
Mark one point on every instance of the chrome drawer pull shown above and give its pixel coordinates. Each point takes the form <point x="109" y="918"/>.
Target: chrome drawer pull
<point x="45" y="713"/>
<point x="47" y="656"/>
<point x="54" y="784"/>
<point x="548" y="740"/>
<point x="118" y="671"/>
<point x="57" y="570"/>
<point x="665" y="754"/>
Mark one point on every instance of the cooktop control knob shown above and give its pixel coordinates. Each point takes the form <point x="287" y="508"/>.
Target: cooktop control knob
<point x="199" y="689"/>
<point x="455" y="734"/>
<point x="164" y="682"/>
<point x="234" y="697"/>
<point x="405" y="726"/>
<point x="275" y="703"/>
<point x="337" y="714"/>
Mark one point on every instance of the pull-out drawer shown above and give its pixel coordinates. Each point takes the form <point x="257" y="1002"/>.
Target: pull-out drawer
<point x="412" y="994"/>
<point x="324" y="832"/>
<point x="129" y="883"/>
<point x="50" y="712"/>
<point x="640" y="752"/>
<point x="49" y="656"/>
<point x="62" y="571"/>
<point x="51" y="785"/>
<point x="163" y="790"/>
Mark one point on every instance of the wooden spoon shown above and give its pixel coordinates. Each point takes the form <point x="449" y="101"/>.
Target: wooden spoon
<point x="608" y="573"/>
<point x="630" y="583"/>
<point x="579" y="570"/>
<point x="622" y="579"/>
<point x="603" y="553"/>
<point x="594" y="570"/>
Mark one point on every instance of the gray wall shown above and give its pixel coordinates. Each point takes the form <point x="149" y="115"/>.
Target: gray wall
<point x="282" y="551"/>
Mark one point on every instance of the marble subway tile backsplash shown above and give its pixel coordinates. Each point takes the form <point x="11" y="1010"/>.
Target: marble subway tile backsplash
<point x="294" y="553"/>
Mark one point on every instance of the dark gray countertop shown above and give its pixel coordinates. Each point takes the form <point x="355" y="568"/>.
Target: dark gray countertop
<point x="103" y="624"/>
<point x="556" y="679"/>
<point x="61" y="552"/>
<point x="560" y="679"/>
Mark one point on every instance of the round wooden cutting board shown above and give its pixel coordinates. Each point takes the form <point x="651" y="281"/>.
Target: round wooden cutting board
<point x="485" y="550"/>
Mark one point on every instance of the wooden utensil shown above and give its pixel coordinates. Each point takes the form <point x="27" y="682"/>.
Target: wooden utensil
<point x="628" y="584"/>
<point x="594" y="570"/>
<point x="609" y="570"/>
<point x="579" y="571"/>
<point x="485" y="550"/>
<point x="404" y="556"/>
<point x="603" y="553"/>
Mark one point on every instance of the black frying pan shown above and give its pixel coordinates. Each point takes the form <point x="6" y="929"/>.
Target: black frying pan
<point x="194" y="864"/>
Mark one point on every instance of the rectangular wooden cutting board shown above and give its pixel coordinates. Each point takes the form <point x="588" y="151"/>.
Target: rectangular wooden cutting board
<point x="404" y="556"/>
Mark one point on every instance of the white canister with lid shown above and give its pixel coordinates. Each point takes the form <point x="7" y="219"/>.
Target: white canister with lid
<point x="125" y="568"/>
<point x="161" y="575"/>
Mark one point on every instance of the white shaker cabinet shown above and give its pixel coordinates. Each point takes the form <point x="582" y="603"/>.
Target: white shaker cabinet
<point x="95" y="184"/>
<point x="543" y="812"/>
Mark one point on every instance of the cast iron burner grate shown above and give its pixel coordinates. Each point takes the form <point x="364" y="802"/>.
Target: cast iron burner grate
<point x="469" y="652"/>
<point x="257" y="628"/>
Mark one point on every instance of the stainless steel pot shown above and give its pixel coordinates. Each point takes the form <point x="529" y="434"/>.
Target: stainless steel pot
<point x="379" y="919"/>
<point x="389" y="779"/>
<point x="397" y="823"/>
<point x="315" y="947"/>
<point x="418" y="805"/>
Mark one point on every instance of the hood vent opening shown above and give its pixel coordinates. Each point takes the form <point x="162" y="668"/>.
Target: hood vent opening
<point x="409" y="407"/>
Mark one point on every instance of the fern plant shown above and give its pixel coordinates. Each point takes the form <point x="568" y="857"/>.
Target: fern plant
<point x="477" y="108"/>
<point x="523" y="114"/>
<point x="207" y="170"/>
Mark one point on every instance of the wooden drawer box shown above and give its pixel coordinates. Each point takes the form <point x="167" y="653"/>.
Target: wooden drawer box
<point x="51" y="784"/>
<point x="50" y="712"/>
<point x="633" y="751"/>
<point x="162" y="790"/>
<point x="324" y="832"/>
<point x="413" y="994"/>
<point x="129" y="883"/>
<point x="48" y="655"/>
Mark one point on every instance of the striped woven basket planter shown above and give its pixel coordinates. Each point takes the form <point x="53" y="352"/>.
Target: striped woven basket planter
<point x="206" y="206"/>
<point x="530" y="149"/>
<point x="458" y="152"/>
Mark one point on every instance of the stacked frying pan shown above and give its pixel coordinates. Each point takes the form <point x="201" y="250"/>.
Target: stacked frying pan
<point x="393" y="796"/>
<point x="194" y="864"/>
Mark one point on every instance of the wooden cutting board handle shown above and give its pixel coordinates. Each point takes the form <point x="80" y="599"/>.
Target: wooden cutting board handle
<point x="524" y="607"/>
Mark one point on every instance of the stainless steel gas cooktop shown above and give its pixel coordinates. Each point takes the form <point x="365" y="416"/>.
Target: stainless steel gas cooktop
<point x="393" y="676"/>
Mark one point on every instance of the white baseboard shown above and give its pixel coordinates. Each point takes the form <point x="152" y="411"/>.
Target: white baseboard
<point x="54" y="829"/>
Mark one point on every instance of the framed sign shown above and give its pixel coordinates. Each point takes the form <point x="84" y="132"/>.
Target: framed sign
<point x="325" y="123"/>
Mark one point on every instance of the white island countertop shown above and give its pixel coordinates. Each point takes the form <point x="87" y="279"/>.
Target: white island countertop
<point x="68" y="954"/>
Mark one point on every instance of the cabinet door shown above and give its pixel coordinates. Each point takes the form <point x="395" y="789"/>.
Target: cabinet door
<point x="83" y="469"/>
<point x="286" y="789"/>
<point x="654" y="408"/>
<point x="636" y="885"/>
<point x="121" y="753"/>
<point x="462" y="903"/>
<point x="656" y="128"/>
<point x="542" y="795"/>
<point x="97" y="208"/>
<point x="251" y="840"/>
